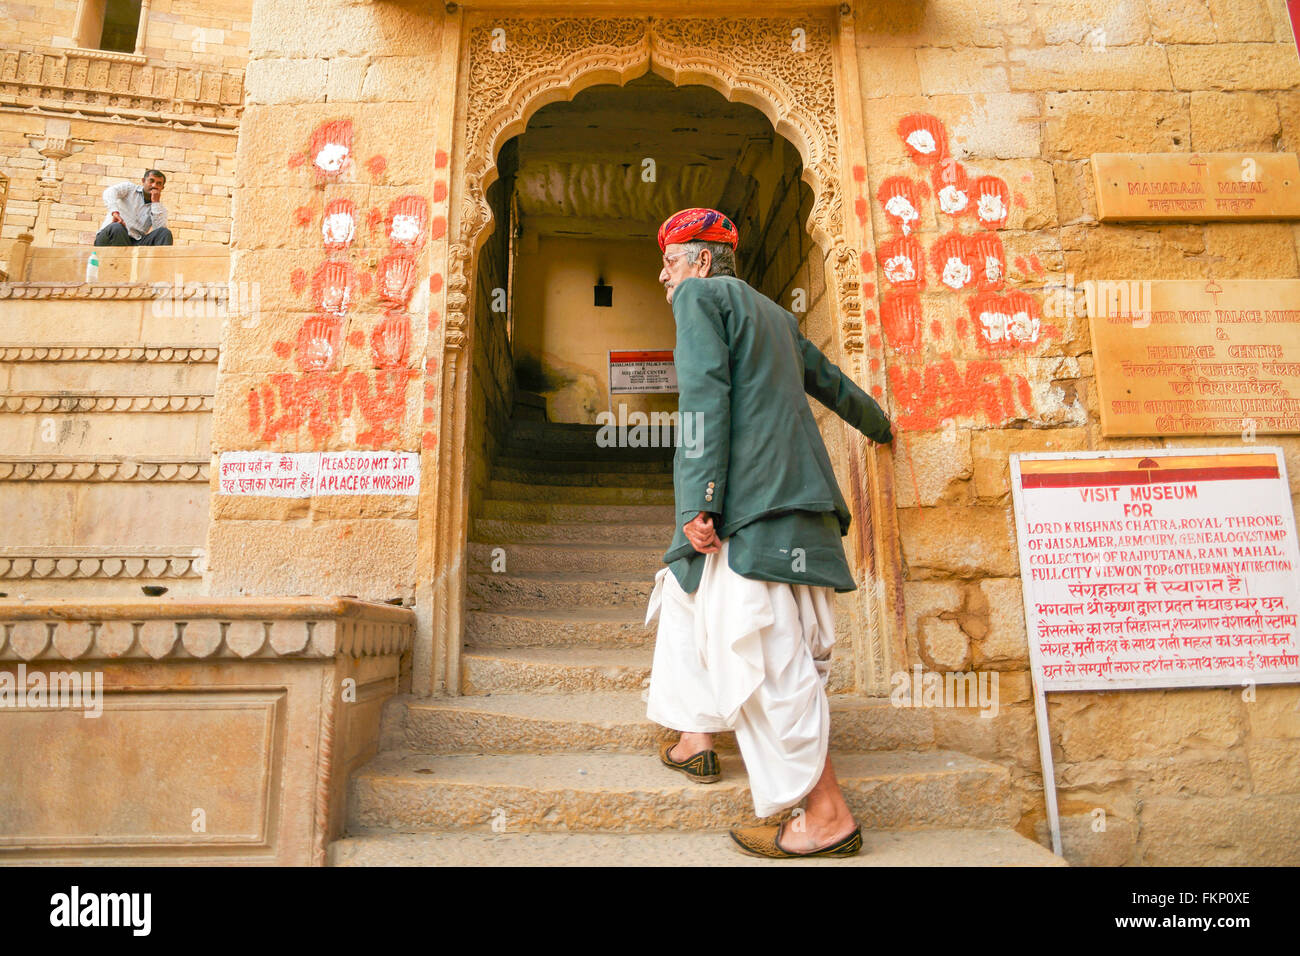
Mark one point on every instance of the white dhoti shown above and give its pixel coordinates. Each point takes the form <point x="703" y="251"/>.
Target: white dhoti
<point x="750" y="656"/>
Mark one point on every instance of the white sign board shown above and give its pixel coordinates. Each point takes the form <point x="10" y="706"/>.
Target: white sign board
<point x="1158" y="568"/>
<point x="642" y="371"/>
<point x="302" y="475"/>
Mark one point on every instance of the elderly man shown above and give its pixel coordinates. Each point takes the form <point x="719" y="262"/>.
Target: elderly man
<point x="746" y="621"/>
<point x="136" y="216"/>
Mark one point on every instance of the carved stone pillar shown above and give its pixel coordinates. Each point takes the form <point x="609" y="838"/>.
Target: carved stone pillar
<point x="56" y="145"/>
<point x="49" y="186"/>
<point x="143" y="27"/>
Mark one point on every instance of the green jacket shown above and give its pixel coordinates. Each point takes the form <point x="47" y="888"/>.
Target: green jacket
<point x="749" y="449"/>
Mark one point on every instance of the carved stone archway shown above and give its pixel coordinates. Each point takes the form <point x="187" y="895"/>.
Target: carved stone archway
<point x="801" y="74"/>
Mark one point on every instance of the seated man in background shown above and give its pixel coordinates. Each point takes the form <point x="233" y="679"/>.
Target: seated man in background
<point x="136" y="217"/>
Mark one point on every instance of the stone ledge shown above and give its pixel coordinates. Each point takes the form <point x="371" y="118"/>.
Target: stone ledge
<point x="188" y="354"/>
<point x="70" y="402"/>
<point x="45" y="562"/>
<point x="216" y="291"/>
<point x="292" y="689"/>
<point x="112" y="56"/>
<point x="179" y="271"/>
<point x="18" y="468"/>
<point x="188" y="629"/>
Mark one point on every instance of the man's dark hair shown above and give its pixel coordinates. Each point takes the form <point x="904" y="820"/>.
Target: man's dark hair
<point x="154" y="172"/>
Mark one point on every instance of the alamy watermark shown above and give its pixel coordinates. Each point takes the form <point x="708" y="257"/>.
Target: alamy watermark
<point x="76" y="908"/>
<point x="946" y="689"/>
<point x="651" y="430"/>
<point x="1103" y="298"/>
<point x="70" y="690"/>
<point x="188" y="300"/>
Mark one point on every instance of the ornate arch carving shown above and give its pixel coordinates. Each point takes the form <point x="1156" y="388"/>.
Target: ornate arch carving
<point x="781" y="66"/>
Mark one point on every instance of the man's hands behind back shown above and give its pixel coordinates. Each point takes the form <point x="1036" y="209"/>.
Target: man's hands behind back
<point x="701" y="533"/>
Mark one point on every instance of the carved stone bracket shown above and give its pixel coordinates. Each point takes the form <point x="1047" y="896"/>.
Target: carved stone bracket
<point x="186" y="629"/>
<point x="28" y="469"/>
<point x="68" y="403"/>
<point x="68" y="563"/>
<point x="186" y="354"/>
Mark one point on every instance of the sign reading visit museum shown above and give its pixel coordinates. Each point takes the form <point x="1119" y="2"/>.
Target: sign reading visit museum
<point x="1158" y="568"/>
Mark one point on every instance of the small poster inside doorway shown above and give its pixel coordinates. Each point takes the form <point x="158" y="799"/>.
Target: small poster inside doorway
<point x="639" y="372"/>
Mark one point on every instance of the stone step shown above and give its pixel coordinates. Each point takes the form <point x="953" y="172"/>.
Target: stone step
<point x="529" y="406"/>
<point x="578" y="627"/>
<point x="965" y="848"/>
<point x="553" y="670"/>
<point x="585" y="450"/>
<point x="109" y="322"/>
<point x="552" y="433"/>
<point x="564" y="465"/>
<point x="119" y="588"/>
<point x="113" y="378"/>
<point x="27" y="323"/>
<point x="120" y="570"/>
<point x="580" y="494"/>
<point x="507" y="532"/>
<point x="566" y="557"/>
<point x="606" y="479"/>
<point x="122" y="434"/>
<point x="555" y="512"/>
<point x="557" y="590"/>
<point x="401" y="790"/>
<point x="134" y="264"/>
<point x="100" y="514"/>
<point x="612" y="721"/>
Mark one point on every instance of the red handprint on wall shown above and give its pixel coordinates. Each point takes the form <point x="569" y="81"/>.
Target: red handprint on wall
<point x="972" y="263"/>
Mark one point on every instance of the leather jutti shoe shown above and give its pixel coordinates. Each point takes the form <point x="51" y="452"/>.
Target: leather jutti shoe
<point x="765" y="841"/>
<point x="702" y="767"/>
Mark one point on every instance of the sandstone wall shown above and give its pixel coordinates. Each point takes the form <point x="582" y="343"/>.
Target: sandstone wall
<point x="1026" y="92"/>
<point x="347" y="343"/>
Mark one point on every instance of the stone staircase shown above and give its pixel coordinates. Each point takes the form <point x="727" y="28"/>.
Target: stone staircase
<point x="106" y="396"/>
<point x="548" y="758"/>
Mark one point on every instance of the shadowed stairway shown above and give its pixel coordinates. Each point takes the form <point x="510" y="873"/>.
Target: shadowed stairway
<point x="548" y="758"/>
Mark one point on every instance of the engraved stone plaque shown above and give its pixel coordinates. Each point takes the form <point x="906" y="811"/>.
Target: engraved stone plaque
<point x="1190" y="357"/>
<point x="1196" y="186"/>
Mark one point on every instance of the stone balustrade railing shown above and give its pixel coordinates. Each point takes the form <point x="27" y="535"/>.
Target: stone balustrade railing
<point x="188" y="629"/>
<point x="96" y="85"/>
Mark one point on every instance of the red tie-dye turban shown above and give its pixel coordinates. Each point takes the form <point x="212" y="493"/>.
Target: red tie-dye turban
<point x="698" y="225"/>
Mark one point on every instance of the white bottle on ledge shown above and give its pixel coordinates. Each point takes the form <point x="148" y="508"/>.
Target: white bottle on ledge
<point x="92" y="266"/>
